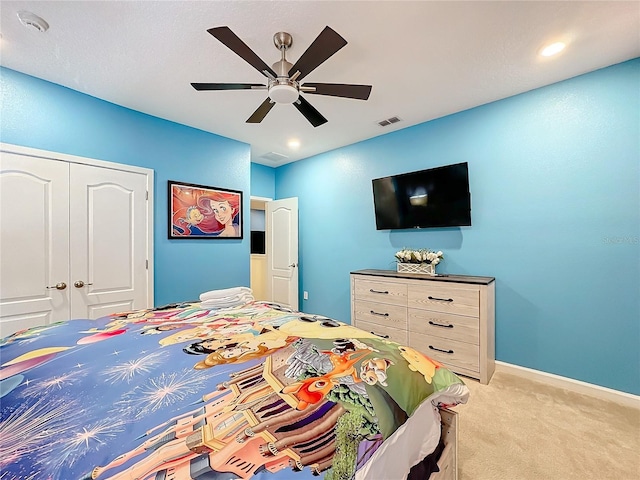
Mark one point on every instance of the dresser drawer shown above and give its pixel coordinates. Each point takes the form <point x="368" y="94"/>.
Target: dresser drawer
<point x="457" y="300"/>
<point x="381" y="314"/>
<point x="386" y="332"/>
<point x="381" y="292"/>
<point x="444" y="325"/>
<point x="449" y="352"/>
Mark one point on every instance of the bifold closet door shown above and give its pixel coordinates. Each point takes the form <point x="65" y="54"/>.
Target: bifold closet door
<point x="108" y="240"/>
<point x="34" y="242"/>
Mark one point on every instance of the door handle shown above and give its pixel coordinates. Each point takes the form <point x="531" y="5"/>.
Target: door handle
<point x="80" y="284"/>
<point x="293" y="265"/>
<point x="58" y="286"/>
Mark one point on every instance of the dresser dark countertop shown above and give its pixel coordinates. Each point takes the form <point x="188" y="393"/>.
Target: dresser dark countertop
<point x="437" y="278"/>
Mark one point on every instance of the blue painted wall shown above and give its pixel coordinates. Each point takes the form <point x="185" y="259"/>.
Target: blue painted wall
<point x="263" y="181"/>
<point x="554" y="176"/>
<point x="43" y="115"/>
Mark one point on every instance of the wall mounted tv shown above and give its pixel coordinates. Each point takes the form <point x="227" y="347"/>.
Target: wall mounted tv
<point x="437" y="197"/>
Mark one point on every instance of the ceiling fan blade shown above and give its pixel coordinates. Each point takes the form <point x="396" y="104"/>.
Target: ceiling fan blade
<point x="261" y="112"/>
<point x="227" y="86"/>
<point x="231" y="40"/>
<point x="310" y="113"/>
<point x="359" y="92"/>
<point x="325" y="45"/>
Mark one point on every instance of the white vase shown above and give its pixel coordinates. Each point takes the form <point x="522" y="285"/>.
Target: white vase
<point x="421" y="268"/>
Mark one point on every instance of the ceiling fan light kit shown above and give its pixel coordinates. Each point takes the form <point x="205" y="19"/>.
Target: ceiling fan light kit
<point x="283" y="89"/>
<point x="283" y="80"/>
<point x="283" y="93"/>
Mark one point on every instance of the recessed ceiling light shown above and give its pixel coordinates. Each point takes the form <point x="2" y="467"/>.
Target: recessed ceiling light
<point x="293" y="143"/>
<point x="552" y="49"/>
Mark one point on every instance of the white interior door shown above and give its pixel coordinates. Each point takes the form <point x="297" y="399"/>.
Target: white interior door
<point x="108" y="231"/>
<point x="282" y="251"/>
<point x="76" y="238"/>
<point x="34" y="242"/>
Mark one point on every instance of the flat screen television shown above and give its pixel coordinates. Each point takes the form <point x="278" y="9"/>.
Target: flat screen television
<point x="437" y="197"/>
<point x="257" y="241"/>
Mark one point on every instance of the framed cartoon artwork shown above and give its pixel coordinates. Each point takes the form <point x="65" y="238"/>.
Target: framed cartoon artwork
<point x="197" y="211"/>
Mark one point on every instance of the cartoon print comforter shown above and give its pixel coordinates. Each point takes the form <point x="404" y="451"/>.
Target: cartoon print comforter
<point x="188" y="393"/>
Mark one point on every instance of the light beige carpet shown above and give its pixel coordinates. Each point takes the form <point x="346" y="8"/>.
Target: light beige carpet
<point x="518" y="429"/>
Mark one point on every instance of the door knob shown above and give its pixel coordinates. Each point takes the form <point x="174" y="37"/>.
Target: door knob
<point x="58" y="286"/>
<point x="293" y="265"/>
<point x="80" y="284"/>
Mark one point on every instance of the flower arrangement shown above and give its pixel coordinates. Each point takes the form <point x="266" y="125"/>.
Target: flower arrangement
<point x="422" y="255"/>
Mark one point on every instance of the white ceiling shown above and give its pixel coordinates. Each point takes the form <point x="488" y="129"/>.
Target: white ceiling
<point x="425" y="59"/>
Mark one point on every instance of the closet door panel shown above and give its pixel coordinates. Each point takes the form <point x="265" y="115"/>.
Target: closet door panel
<point x="34" y="242"/>
<point x="108" y="241"/>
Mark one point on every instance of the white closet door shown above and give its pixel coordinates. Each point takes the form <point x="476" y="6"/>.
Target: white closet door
<point x="108" y="225"/>
<point x="34" y="242"/>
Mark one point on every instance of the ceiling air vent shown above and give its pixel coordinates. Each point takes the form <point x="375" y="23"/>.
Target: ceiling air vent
<point x="274" y="157"/>
<point x="389" y="121"/>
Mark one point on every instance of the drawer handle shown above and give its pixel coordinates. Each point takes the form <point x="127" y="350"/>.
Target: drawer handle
<point x="440" y="325"/>
<point x="437" y="349"/>
<point x="381" y="314"/>
<point x="441" y="299"/>
<point x="378" y="291"/>
<point x="378" y="335"/>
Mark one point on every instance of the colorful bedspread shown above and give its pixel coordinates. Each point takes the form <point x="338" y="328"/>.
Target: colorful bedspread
<point x="188" y="393"/>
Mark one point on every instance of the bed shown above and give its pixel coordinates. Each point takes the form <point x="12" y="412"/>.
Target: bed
<point x="249" y="391"/>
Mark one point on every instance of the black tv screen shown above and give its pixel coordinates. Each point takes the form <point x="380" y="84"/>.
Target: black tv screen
<point x="437" y="197"/>
<point x="257" y="241"/>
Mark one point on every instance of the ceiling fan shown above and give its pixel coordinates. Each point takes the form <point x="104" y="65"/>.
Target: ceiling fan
<point x="283" y="80"/>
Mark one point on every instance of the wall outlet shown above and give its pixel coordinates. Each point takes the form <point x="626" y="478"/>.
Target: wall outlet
<point x="305" y="295"/>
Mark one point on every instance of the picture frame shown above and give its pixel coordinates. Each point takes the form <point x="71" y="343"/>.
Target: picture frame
<point x="202" y="212"/>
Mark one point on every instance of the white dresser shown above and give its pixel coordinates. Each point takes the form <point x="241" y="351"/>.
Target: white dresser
<point x="448" y="318"/>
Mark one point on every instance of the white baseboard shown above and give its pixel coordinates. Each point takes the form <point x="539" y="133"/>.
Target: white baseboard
<point x="603" y="393"/>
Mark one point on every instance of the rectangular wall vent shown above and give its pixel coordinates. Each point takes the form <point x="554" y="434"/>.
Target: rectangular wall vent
<point x="389" y="121"/>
